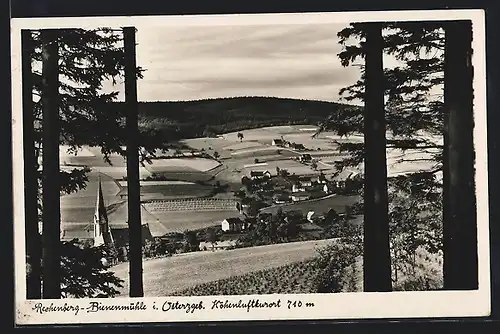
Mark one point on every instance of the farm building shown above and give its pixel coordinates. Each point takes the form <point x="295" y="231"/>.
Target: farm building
<point x="320" y="179"/>
<point x="281" y="198"/>
<point x="234" y="224"/>
<point x="305" y="158"/>
<point x="345" y="175"/>
<point x="259" y="174"/>
<point x="328" y="188"/>
<point x="218" y="245"/>
<point x="297" y="188"/>
<point x="301" y="196"/>
<point x="278" y="142"/>
<point x="305" y="181"/>
<point x="299" y="147"/>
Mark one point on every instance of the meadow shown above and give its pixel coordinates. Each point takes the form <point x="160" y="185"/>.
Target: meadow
<point x="166" y="191"/>
<point x="291" y="278"/>
<point x="301" y="277"/>
<point x="165" y="276"/>
<point x="181" y="221"/>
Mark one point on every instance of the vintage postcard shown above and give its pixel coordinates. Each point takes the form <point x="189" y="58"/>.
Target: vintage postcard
<point x="250" y="167"/>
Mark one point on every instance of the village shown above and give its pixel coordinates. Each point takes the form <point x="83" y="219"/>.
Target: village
<point x="215" y="194"/>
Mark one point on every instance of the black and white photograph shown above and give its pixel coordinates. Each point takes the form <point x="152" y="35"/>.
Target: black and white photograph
<point x="249" y="167"/>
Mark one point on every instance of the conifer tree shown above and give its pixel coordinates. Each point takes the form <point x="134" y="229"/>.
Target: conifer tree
<point x="86" y="59"/>
<point x="415" y="115"/>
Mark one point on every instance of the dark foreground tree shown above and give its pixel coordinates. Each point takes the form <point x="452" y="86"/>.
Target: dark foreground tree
<point x="414" y="107"/>
<point x="50" y="177"/>
<point x="414" y="113"/>
<point x="376" y="258"/>
<point x="134" y="197"/>
<point x="32" y="235"/>
<point x="459" y="202"/>
<point x="86" y="59"/>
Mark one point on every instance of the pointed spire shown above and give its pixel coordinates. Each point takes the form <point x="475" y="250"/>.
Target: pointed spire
<point x="100" y="207"/>
<point x="101" y="227"/>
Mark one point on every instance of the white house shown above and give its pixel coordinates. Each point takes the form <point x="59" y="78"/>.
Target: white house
<point x="297" y="188"/>
<point x="300" y="196"/>
<point x="328" y="188"/>
<point x="233" y="225"/>
<point x="310" y="216"/>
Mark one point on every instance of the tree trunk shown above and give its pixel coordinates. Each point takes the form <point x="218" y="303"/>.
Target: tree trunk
<point x="32" y="235"/>
<point x="460" y="265"/>
<point x="376" y="258"/>
<point x="50" y="153"/>
<point x="133" y="186"/>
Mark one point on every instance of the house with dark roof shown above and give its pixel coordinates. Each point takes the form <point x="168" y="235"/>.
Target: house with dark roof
<point x="259" y="174"/>
<point x="305" y="158"/>
<point x="344" y="176"/>
<point x="233" y="224"/>
<point x="329" y="188"/>
<point x="278" y="142"/>
<point x="298" y="147"/>
<point x="281" y="198"/>
<point x="305" y="181"/>
<point x="321" y="178"/>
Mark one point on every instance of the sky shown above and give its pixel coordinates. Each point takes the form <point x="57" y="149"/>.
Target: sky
<point x="198" y="62"/>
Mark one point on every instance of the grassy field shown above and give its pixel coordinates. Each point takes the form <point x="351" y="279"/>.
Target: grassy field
<point x="263" y="151"/>
<point x="171" y="191"/>
<point x="291" y="278"/>
<point x="294" y="278"/>
<point x="163" y="277"/>
<point x="191" y="220"/>
<point x="210" y="145"/>
<point x="119" y="173"/>
<point x="181" y="164"/>
<point x="243" y="145"/>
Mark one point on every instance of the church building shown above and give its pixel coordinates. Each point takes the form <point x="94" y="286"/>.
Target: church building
<point x="115" y="236"/>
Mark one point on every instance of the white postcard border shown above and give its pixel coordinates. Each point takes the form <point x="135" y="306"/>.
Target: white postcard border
<point x="326" y="306"/>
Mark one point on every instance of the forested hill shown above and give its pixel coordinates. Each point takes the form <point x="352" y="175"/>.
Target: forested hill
<point x="214" y="116"/>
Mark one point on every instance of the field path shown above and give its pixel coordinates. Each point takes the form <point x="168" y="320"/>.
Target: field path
<point x="166" y="275"/>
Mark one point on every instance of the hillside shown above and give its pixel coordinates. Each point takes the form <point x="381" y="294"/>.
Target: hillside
<point x="298" y="277"/>
<point x="295" y="278"/>
<point x="190" y="119"/>
<point x="165" y="276"/>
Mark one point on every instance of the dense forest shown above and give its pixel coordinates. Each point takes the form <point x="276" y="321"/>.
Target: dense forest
<point x="210" y="117"/>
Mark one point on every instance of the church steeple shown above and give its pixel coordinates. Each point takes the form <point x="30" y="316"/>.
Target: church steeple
<point x="102" y="232"/>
